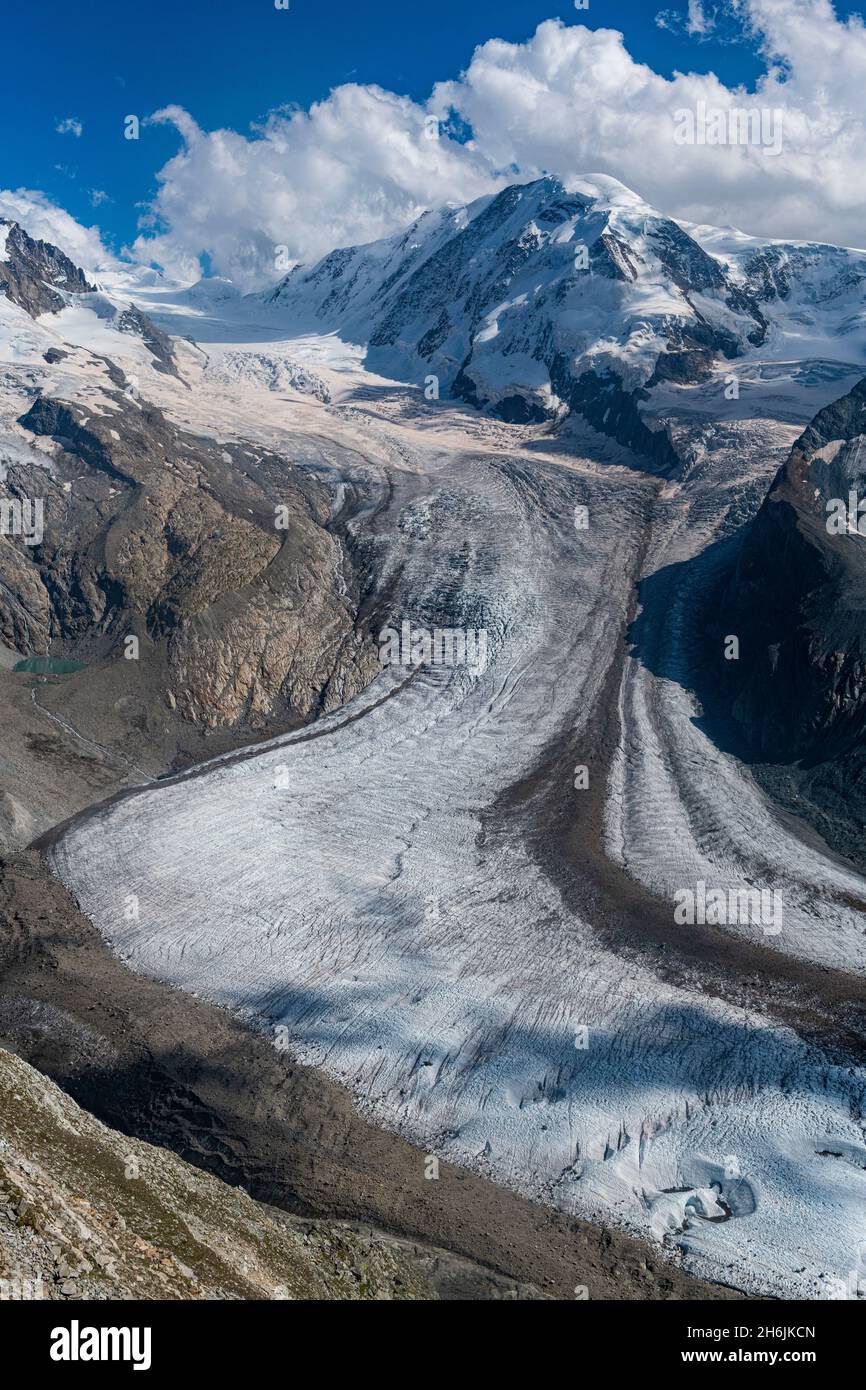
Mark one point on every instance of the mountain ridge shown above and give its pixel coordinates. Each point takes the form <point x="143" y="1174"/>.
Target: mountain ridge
<point x="539" y="302"/>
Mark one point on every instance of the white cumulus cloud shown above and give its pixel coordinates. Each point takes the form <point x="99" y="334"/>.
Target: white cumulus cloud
<point x="698" y="20"/>
<point x="44" y="221"/>
<point x="569" y="100"/>
<point x="355" y="167"/>
<point x="70" y="125"/>
<point x="573" y="101"/>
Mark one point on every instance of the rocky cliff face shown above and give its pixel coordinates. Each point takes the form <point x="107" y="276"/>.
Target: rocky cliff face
<point x="32" y="273"/>
<point x="797" y="601"/>
<point x="216" y="560"/>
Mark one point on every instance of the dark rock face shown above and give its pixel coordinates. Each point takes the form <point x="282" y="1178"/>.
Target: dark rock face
<point x="444" y="278"/>
<point x="154" y="533"/>
<point x="612" y="411"/>
<point x="773" y="271"/>
<point x="797" y="602"/>
<point x="32" y="273"/>
<point x="132" y="320"/>
<point x="612" y="256"/>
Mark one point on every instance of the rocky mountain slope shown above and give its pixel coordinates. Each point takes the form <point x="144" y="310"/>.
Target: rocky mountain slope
<point x="797" y="695"/>
<point x="198" y="588"/>
<point x="88" y="1213"/>
<point x="174" y="541"/>
<point x="33" y="274"/>
<point x="40" y="279"/>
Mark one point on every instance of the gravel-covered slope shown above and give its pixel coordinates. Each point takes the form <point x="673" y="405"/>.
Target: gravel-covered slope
<point x="88" y="1213"/>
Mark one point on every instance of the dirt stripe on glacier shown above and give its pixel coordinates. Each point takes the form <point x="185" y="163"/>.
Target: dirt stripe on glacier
<point x="565" y="829"/>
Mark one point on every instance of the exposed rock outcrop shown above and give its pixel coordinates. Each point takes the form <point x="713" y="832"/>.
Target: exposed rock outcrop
<point x="217" y="560"/>
<point x="33" y="272"/>
<point x="88" y="1213"/>
<point x="132" y="320"/>
<point x="797" y="602"/>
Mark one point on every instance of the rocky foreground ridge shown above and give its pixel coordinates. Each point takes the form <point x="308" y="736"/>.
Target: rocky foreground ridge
<point x="87" y="1213"/>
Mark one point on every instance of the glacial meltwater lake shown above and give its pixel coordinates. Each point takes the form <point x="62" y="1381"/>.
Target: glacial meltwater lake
<point x="49" y="666"/>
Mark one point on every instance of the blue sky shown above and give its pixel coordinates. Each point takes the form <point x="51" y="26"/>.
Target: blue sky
<point x="230" y="63"/>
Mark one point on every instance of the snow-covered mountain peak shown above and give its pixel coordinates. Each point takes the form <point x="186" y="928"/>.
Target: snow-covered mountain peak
<point x="547" y="297"/>
<point x="544" y="299"/>
<point x="34" y="274"/>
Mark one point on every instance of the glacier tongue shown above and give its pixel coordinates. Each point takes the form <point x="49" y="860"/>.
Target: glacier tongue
<point x="346" y="889"/>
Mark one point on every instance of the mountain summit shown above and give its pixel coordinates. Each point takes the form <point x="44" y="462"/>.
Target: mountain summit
<point x="542" y="300"/>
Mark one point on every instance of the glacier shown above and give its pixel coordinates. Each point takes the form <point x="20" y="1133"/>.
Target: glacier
<point x="371" y="889"/>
